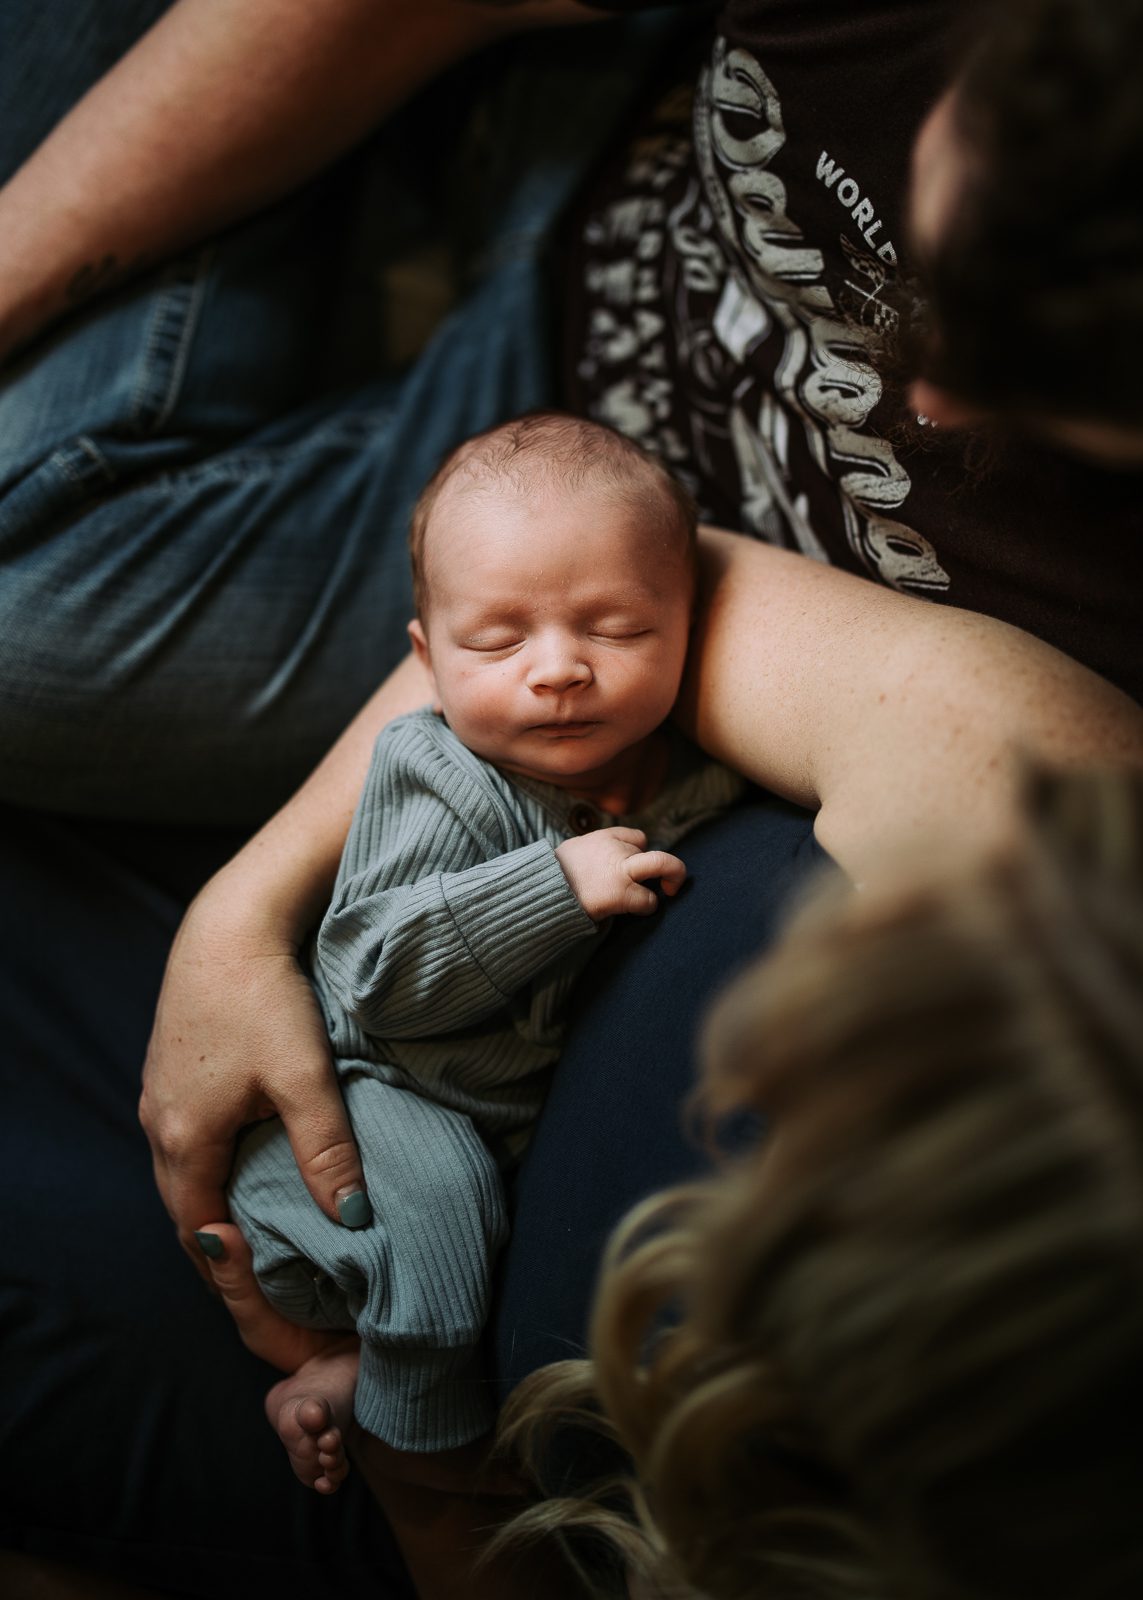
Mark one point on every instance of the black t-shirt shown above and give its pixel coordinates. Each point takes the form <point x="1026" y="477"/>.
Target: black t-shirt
<point x="731" y="285"/>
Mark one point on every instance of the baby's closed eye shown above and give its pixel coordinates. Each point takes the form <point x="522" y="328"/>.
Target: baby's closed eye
<point x="488" y="643"/>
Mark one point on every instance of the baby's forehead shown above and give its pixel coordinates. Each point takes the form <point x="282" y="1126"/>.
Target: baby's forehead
<point x="487" y="488"/>
<point x="533" y="474"/>
<point x="484" y="481"/>
<point x="494" y="508"/>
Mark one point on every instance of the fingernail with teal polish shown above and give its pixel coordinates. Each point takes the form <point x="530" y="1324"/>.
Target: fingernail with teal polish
<point x="210" y="1245"/>
<point x="354" y="1210"/>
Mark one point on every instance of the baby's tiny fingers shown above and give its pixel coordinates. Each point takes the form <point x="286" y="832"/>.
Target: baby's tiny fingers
<point x="632" y="836"/>
<point x="640" y="902"/>
<point x="674" y="876"/>
<point x="657" y="864"/>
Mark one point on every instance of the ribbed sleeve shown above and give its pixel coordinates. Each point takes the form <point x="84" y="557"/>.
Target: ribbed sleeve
<point x="444" y="968"/>
<point x="519" y="912"/>
<point x="422" y="1399"/>
<point x="437" y="920"/>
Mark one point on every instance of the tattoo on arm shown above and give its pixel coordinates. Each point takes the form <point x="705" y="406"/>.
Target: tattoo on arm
<point x="91" y="277"/>
<point x="95" y="276"/>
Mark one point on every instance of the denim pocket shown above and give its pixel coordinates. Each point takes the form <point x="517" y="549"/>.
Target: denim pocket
<point x="116" y="373"/>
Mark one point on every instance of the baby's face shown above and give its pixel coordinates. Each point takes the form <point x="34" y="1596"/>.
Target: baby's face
<point x="556" y="631"/>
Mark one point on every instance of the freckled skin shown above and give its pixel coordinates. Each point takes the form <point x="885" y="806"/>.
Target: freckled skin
<point x="556" y="634"/>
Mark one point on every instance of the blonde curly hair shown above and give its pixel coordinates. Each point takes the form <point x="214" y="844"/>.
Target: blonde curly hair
<point x="897" y="1350"/>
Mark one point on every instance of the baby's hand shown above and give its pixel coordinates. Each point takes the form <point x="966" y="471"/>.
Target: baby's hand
<point x="608" y="869"/>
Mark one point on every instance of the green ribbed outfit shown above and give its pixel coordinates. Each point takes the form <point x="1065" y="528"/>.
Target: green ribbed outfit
<point x="443" y="968"/>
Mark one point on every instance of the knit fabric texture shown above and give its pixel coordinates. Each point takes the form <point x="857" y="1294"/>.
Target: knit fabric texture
<point x="443" y="968"/>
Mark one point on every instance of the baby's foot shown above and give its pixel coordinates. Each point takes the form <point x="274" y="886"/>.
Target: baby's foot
<point x="309" y="1410"/>
<point x="312" y="1410"/>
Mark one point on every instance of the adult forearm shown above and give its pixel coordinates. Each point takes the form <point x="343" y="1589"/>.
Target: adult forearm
<point x="898" y="718"/>
<point x="280" y="881"/>
<point x="237" y="1033"/>
<point x="224" y="106"/>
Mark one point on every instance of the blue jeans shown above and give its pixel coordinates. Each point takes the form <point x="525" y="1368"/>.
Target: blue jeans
<point x="203" y="570"/>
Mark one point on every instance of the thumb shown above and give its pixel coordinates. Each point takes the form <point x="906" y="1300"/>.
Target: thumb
<point x="263" y="1330"/>
<point x="231" y="1267"/>
<point x="326" y="1152"/>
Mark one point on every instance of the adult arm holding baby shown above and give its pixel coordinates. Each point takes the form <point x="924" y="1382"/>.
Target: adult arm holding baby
<point x="894" y="717"/>
<point x="1000" y="685"/>
<point x="912" y="730"/>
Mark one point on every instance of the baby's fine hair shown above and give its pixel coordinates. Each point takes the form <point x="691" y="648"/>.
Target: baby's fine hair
<point x="894" y="1353"/>
<point x="545" y="449"/>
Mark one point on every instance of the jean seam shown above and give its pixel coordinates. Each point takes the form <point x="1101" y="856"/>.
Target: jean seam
<point x="183" y="296"/>
<point x="65" y="460"/>
<point x="248" y="465"/>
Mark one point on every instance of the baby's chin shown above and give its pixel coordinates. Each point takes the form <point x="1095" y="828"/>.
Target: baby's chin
<point x="558" y="761"/>
<point x="584" y="764"/>
<point x="569" y="774"/>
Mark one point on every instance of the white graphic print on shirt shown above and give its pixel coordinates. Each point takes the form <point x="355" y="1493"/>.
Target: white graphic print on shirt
<point x="739" y="272"/>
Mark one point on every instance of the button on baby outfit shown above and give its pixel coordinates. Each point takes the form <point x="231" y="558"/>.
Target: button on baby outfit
<point x="583" y="818"/>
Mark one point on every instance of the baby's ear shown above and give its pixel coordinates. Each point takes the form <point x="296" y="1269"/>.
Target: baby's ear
<point x="420" y="644"/>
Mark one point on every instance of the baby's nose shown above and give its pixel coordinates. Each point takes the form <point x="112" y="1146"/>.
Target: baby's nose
<point x="558" y="664"/>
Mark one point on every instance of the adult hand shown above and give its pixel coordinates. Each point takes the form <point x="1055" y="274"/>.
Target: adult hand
<point x="238" y="1036"/>
<point x="263" y="1330"/>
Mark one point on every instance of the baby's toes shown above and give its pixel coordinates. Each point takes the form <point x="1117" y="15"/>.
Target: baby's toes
<point x="333" y="1463"/>
<point x="312" y="1414"/>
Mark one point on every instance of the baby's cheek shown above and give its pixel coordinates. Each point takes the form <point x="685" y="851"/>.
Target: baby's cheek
<point x="481" y="705"/>
<point x="652" y="689"/>
<point x="491" y="695"/>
